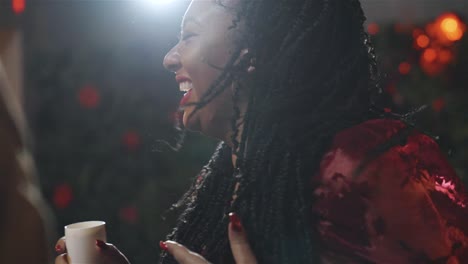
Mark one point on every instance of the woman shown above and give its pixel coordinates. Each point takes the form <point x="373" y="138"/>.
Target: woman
<point x="309" y="172"/>
<point x="23" y="213"/>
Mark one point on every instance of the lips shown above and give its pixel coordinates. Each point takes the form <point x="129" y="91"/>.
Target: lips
<point x="182" y="78"/>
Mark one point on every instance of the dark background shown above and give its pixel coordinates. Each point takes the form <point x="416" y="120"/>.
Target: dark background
<point x="99" y="103"/>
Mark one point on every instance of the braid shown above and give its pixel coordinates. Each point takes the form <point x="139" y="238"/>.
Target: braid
<point x="315" y="75"/>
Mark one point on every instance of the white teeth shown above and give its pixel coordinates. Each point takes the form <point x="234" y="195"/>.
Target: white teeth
<point x="185" y="86"/>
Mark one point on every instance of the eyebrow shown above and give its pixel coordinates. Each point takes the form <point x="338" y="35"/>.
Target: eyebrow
<point x="190" y="19"/>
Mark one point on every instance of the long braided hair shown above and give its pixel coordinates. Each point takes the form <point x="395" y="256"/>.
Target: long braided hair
<point x="315" y="74"/>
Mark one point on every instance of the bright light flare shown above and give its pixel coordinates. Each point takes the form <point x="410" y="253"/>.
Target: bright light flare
<point x="451" y="26"/>
<point x="158" y="2"/>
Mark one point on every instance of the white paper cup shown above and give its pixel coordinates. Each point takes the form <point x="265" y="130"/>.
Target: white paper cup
<point x="81" y="241"/>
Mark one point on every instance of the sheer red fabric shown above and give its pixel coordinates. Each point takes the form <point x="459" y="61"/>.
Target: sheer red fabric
<point x="404" y="205"/>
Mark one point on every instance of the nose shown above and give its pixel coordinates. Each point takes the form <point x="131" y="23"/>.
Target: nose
<point x="172" y="60"/>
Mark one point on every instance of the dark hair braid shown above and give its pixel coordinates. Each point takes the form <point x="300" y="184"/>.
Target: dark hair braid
<point x="315" y="75"/>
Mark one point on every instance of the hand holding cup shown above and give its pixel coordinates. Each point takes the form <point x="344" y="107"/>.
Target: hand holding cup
<point x="85" y="243"/>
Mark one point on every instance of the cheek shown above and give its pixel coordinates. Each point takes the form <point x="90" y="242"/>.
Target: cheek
<point x="221" y="108"/>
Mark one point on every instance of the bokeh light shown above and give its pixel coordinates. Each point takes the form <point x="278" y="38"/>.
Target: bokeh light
<point x="422" y="41"/>
<point x="88" y="97"/>
<point x="438" y="104"/>
<point x="404" y="68"/>
<point x="429" y="55"/>
<point x="451" y="27"/>
<point x="62" y="196"/>
<point x="18" y="6"/>
<point x="373" y="28"/>
<point x="131" y="140"/>
<point x="129" y="214"/>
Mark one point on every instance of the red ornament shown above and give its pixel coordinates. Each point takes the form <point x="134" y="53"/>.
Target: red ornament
<point x="131" y="140"/>
<point x="129" y="214"/>
<point x="88" y="97"/>
<point x="18" y="6"/>
<point x="63" y="195"/>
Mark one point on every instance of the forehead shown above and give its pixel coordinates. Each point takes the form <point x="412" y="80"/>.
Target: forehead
<point x="208" y="10"/>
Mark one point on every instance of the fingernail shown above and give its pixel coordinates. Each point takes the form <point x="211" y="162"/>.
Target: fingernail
<point x="58" y="248"/>
<point x="101" y="244"/>
<point x="235" y="222"/>
<point x="163" y="245"/>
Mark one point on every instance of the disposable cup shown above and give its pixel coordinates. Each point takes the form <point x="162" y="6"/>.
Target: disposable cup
<point x="81" y="239"/>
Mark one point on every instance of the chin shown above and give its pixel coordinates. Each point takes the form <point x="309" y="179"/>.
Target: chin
<point x="193" y="124"/>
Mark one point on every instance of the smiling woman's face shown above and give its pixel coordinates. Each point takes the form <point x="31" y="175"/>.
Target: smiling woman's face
<point x="205" y="46"/>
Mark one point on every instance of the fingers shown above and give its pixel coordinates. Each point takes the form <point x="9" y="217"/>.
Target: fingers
<point x="60" y="246"/>
<point x="111" y="253"/>
<point x="238" y="240"/>
<point x="62" y="259"/>
<point x="181" y="253"/>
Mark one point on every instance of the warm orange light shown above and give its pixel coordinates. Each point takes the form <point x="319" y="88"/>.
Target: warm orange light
<point x="430" y="55"/>
<point x="18" y="6"/>
<point x="449" y="25"/>
<point x="404" y="68"/>
<point x="445" y="56"/>
<point x="373" y="28"/>
<point x="422" y="41"/>
<point x="455" y="35"/>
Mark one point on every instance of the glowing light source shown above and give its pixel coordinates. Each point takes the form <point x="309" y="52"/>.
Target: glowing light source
<point x="373" y="28"/>
<point x="129" y="214"/>
<point x="445" y="56"/>
<point x="88" y="97"/>
<point x="430" y="55"/>
<point x="18" y="6"/>
<point x="158" y="2"/>
<point x="438" y="104"/>
<point x="454" y="36"/>
<point x="451" y="27"/>
<point x="422" y="41"/>
<point x="404" y="68"/>
<point x="131" y="140"/>
<point x="63" y="195"/>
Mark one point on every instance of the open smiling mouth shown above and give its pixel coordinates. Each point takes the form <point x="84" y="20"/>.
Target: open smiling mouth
<point x="185" y="87"/>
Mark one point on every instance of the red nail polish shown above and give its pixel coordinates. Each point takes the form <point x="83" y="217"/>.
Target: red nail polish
<point x="58" y="248"/>
<point x="235" y="222"/>
<point x="101" y="244"/>
<point x="163" y="245"/>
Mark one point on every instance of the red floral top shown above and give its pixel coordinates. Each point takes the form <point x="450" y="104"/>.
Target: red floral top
<point x="404" y="205"/>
